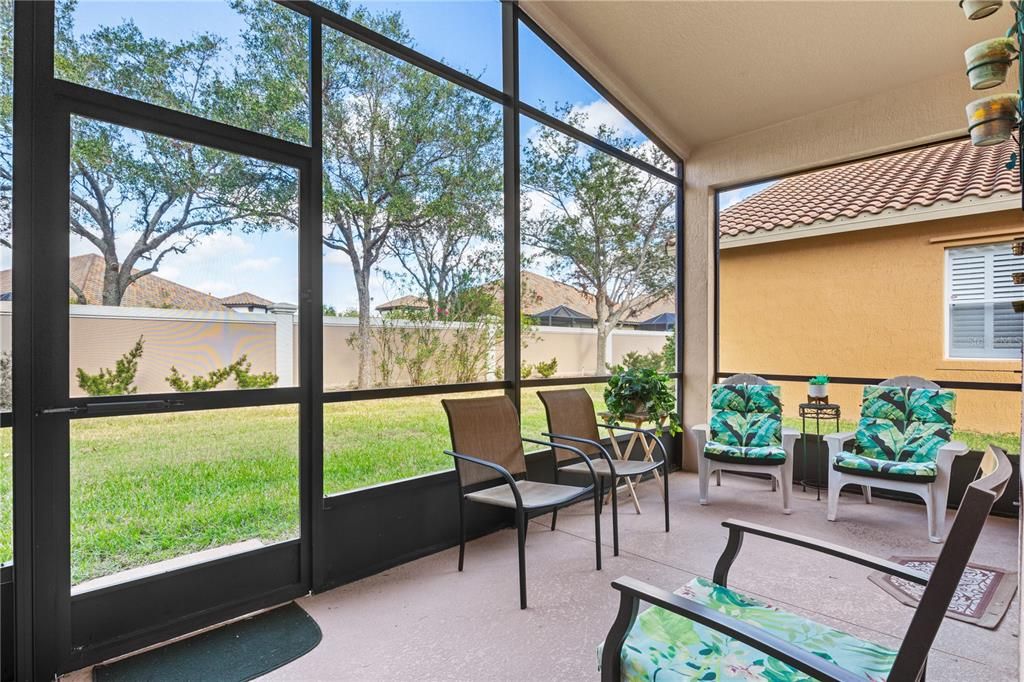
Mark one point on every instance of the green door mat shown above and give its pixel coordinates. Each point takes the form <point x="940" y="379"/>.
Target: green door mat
<point x="242" y="650"/>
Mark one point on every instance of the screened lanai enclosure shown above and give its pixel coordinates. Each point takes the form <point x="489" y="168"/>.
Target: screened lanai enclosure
<point x="254" y="253"/>
<point x="207" y="208"/>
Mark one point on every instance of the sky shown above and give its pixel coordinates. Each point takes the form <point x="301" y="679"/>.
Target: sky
<point x="466" y="35"/>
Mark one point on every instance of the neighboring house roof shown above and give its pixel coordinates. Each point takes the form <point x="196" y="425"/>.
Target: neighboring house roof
<point x="894" y="184"/>
<point x="542" y="293"/>
<point x="151" y="291"/>
<point x="403" y="303"/>
<point x="562" y="312"/>
<point x="246" y="299"/>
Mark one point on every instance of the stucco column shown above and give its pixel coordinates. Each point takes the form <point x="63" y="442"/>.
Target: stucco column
<point x="284" y="342"/>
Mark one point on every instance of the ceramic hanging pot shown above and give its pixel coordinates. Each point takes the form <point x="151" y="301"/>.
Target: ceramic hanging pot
<point x="978" y="9"/>
<point x="988" y="62"/>
<point x="991" y="120"/>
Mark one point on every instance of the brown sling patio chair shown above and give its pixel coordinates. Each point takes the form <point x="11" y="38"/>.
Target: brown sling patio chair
<point x="712" y="624"/>
<point x="491" y="468"/>
<point x="572" y="421"/>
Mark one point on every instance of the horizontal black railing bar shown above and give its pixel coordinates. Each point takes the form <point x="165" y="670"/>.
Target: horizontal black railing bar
<point x="156" y="403"/>
<point x="594" y="83"/>
<point x="394" y="48"/>
<point x="541" y="116"/>
<point x="566" y="381"/>
<point x="361" y="394"/>
<point x="944" y="383"/>
<point x="6" y="572"/>
<point x="6" y="419"/>
<point x="153" y="118"/>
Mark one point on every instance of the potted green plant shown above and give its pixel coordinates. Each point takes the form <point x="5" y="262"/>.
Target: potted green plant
<point x="817" y="387"/>
<point x="642" y="392"/>
<point x="991" y="120"/>
<point x="988" y="61"/>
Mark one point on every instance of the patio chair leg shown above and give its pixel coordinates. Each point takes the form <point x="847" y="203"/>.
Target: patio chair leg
<point x="703" y="479"/>
<point x="866" y="491"/>
<point x="554" y="514"/>
<point x="835" y="482"/>
<point x="597" y="527"/>
<point x="462" y="529"/>
<point x="615" y="517"/>
<point x="521" y="532"/>
<point x="718" y="478"/>
<point x="664" y="477"/>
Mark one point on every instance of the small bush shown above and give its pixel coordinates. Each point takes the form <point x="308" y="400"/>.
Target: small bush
<point x="240" y="369"/>
<point x="654" y="360"/>
<point x="525" y="371"/>
<point x="547" y="369"/>
<point x="5" y="380"/>
<point x="119" y="381"/>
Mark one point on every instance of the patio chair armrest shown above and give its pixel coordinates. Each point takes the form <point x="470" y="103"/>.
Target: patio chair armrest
<point x="789" y="438"/>
<point x="954" y="448"/>
<point x="509" y="479"/>
<point x="835" y="441"/>
<point x="583" y="441"/>
<point x="633" y="591"/>
<point x="700" y="431"/>
<point x="650" y="433"/>
<point x="738" y="528"/>
<point x="583" y="455"/>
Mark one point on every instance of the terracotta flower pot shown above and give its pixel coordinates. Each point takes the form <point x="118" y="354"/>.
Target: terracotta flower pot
<point x="992" y="119"/>
<point x="1018" y="277"/>
<point x="988" y="61"/>
<point x="979" y="9"/>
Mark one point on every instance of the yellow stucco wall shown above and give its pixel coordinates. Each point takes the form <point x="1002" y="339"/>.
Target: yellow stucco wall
<point x="866" y="303"/>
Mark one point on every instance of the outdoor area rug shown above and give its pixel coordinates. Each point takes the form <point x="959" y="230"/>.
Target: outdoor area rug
<point x="242" y="650"/>
<point x="982" y="597"/>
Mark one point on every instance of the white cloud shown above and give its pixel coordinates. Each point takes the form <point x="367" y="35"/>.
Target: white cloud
<point x="600" y="112"/>
<point x="257" y="264"/>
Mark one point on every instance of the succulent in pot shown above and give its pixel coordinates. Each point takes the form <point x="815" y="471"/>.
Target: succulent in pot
<point x="988" y="62"/>
<point x="642" y="392"/>
<point x="817" y="387"/>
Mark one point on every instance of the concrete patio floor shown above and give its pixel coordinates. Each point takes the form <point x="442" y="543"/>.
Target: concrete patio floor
<point x="424" y="620"/>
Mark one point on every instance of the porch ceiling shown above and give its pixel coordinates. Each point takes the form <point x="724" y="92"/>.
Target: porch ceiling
<point x="700" y="71"/>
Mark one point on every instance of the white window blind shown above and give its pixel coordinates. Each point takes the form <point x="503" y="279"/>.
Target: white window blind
<point x="979" y="296"/>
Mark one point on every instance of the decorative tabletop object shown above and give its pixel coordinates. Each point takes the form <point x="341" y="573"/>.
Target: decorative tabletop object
<point x="633" y="393"/>
<point x="817" y="389"/>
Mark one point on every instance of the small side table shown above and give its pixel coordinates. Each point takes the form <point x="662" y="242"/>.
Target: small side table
<point x="818" y="412"/>
<point x="637" y="420"/>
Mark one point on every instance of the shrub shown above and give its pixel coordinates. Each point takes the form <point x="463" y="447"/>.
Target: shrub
<point x="547" y="369"/>
<point x="653" y="360"/>
<point x="525" y="371"/>
<point x="119" y="381"/>
<point x="668" y="353"/>
<point x="240" y="369"/>
<point x="5" y="380"/>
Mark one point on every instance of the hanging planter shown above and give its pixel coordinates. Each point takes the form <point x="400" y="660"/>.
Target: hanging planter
<point x="988" y="62"/>
<point x="991" y="120"/>
<point x="979" y="9"/>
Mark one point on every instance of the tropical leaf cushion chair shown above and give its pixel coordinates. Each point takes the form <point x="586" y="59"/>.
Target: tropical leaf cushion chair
<point x="904" y="441"/>
<point x="745" y="433"/>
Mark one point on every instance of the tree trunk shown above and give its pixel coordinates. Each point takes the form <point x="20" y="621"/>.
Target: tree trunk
<point x="602" y="335"/>
<point x="112" y="292"/>
<point x="365" y="340"/>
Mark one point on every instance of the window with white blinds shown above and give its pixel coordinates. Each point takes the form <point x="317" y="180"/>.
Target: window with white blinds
<point x="980" y="293"/>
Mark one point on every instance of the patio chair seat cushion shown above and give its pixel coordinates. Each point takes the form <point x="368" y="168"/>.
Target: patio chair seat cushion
<point x="665" y="646"/>
<point x="765" y="454"/>
<point x="915" y="472"/>
<point x="626" y="467"/>
<point x="534" y="494"/>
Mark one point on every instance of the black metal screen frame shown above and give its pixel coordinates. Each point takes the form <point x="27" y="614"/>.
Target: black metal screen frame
<point x="43" y="109"/>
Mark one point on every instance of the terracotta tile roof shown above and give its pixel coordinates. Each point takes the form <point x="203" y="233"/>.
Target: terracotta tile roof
<point x="245" y="299"/>
<point x="403" y="303"/>
<point x="948" y="172"/>
<point x="149" y="292"/>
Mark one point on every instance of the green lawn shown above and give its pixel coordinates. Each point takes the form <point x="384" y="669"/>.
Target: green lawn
<point x="148" y="488"/>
